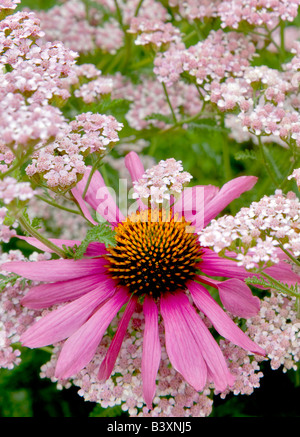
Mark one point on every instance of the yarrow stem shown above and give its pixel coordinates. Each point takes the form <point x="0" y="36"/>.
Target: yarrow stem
<point x="280" y="286"/>
<point x="94" y="168"/>
<point x="295" y="260"/>
<point x="266" y="162"/>
<point x="138" y="8"/>
<point x="169" y="102"/>
<point x="56" y="205"/>
<point x="34" y="233"/>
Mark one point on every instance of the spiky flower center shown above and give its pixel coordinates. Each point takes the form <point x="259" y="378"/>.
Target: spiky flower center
<point x="155" y="253"/>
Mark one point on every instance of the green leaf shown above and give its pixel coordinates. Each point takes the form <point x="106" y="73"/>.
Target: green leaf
<point x="245" y="154"/>
<point x="98" y="411"/>
<point x="160" y="117"/>
<point x="101" y="233"/>
<point x="7" y="280"/>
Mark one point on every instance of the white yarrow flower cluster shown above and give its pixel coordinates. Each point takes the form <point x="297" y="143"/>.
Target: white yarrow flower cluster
<point x="162" y="181"/>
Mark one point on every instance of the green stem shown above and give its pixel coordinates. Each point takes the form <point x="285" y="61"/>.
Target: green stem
<point x="94" y="168"/>
<point x="34" y="233"/>
<point x="169" y="102"/>
<point x="189" y="36"/>
<point x="282" y="41"/>
<point x="56" y="205"/>
<point x="266" y="162"/>
<point x="226" y="154"/>
<point x="138" y="8"/>
<point x="281" y="286"/>
<point x="289" y="255"/>
<point x="119" y="15"/>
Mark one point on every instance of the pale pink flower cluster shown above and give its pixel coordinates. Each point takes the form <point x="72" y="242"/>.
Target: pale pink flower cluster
<point x="11" y="189"/>
<point x="86" y="82"/>
<point x="69" y="23"/>
<point x="277" y="329"/>
<point x="148" y="99"/>
<point x="259" y="230"/>
<point x="217" y="57"/>
<point x="85" y="31"/>
<point x="234" y="12"/>
<point x="9" y="4"/>
<point x="271" y="112"/>
<point x="162" y="181"/>
<point x="92" y="91"/>
<point x="62" y="162"/>
<point x="154" y="32"/>
<point x="14" y="318"/>
<point x="6" y="158"/>
<point x="244" y="367"/>
<point x="6" y="232"/>
<point x="296" y="175"/>
<point x="35" y="79"/>
<point x="150" y="9"/>
<point x="257" y="13"/>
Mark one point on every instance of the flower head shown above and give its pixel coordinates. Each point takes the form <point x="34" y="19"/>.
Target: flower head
<point x="157" y="262"/>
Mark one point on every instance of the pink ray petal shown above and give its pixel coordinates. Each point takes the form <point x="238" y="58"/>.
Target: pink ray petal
<point x="79" y="349"/>
<point x="212" y="354"/>
<point x="230" y="191"/>
<point x="193" y="200"/>
<point x="78" y="197"/>
<point x="235" y="295"/>
<point x="57" y="241"/>
<point x="56" y="270"/>
<point x="182" y="347"/>
<point x="136" y="169"/>
<point x="134" y="165"/>
<point x="108" y="363"/>
<point x="237" y="298"/>
<point x="46" y="295"/>
<point x="151" y="350"/>
<point x="100" y="197"/>
<point x="213" y="265"/>
<point x="64" y="321"/>
<point x="221" y="321"/>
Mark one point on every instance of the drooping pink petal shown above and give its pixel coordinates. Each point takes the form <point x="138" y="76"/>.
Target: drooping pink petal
<point x="151" y="350"/>
<point x="220" y="320"/>
<point x="237" y="298"/>
<point x="182" y="347"/>
<point x="136" y="169"/>
<point x="235" y="295"/>
<point x="216" y="364"/>
<point x="134" y="165"/>
<point x="64" y="321"/>
<point x="109" y="360"/>
<point x="55" y="270"/>
<point x="80" y="348"/>
<point x="46" y="295"/>
<point x="94" y="249"/>
<point x="230" y="191"/>
<point x="100" y="197"/>
<point x="57" y="241"/>
<point x="78" y="197"/>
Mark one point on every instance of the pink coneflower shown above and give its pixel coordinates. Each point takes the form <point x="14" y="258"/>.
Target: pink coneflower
<point x="156" y="262"/>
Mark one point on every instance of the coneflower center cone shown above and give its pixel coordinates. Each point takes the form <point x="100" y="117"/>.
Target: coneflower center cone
<point x="155" y="253"/>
